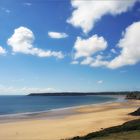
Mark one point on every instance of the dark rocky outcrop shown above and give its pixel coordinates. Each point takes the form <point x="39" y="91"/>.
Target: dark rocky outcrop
<point x="136" y="113"/>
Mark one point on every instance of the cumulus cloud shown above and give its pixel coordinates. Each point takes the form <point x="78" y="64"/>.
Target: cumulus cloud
<point x="94" y="61"/>
<point x="98" y="63"/>
<point x="129" y="54"/>
<point x="57" y="35"/>
<point x="87" y="61"/>
<point x="130" y="45"/>
<point x="88" y="47"/>
<point x="2" y="51"/>
<point x="86" y="19"/>
<point x="22" y="41"/>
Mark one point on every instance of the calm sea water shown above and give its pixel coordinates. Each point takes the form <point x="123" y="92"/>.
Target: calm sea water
<point x="23" y="104"/>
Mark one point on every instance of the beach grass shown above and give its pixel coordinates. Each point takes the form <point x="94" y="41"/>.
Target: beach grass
<point x="130" y="135"/>
<point x="127" y="131"/>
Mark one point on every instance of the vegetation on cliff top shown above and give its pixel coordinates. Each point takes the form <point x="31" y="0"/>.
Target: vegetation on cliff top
<point x="131" y="126"/>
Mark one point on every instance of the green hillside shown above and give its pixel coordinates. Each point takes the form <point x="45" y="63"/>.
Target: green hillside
<point x="128" y="131"/>
<point x="130" y="135"/>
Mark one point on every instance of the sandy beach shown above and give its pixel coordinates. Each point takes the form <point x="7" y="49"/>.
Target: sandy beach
<point x="68" y="123"/>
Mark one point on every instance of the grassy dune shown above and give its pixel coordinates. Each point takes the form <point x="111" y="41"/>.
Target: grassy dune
<point x="130" y="135"/>
<point x="128" y="131"/>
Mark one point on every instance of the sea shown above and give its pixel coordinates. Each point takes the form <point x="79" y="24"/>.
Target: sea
<point x="27" y="104"/>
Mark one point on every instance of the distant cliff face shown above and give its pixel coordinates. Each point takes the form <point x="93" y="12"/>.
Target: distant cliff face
<point x="133" y="95"/>
<point x="79" y="93"/>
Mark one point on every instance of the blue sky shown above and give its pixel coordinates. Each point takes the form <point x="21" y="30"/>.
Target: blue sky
<point x="54" y="46"/>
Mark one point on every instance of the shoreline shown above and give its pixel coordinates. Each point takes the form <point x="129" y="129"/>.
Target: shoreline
<point x="79" y="122"/>
<point x="55" y="113"/>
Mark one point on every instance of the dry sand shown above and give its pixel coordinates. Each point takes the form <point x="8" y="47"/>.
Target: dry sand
<point x="84" y="120"/>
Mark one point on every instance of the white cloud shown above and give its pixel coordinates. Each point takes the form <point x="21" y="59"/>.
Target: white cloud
<point x="99" y="63"/>
<point x="27" y="4"/>
<point x="88" y="47"/>
<point x="22" y="41"/>
<point x="130" y="45"/>
<point x="100" y="82"/>
<point x="87" y="61"/>
<point x="2" y="51"/>
<point x="94" y="62"/>
<point x="6" y="10"/>
<point x="129" y="55"/>
<point x="87" y="13"/>
<point x="74" y="62"/>
<point x="113" y="51"/>
<point x="24" y="90"/>
<point x="57" y="35"/>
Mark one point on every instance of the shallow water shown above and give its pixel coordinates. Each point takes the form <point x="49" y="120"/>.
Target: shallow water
<point x="23" y="104"/>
